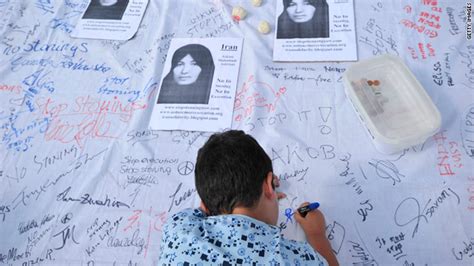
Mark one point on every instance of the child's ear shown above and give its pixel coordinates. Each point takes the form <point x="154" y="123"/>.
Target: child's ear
<point x="203" y="207"/>
<point x="268" y="189"/>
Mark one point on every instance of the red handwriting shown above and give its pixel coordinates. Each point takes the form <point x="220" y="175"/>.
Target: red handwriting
<point x="152" y="219"/>
<point x="430" y="20"/>
<point x="419" y="28"/>
<point x="253" y="95"/>
<point x="422" y="51"/>
<point x="88" y="118"/>
<point x="427" y="23"/>
<point x="449" y="155"/>
<point x="11" y="88"/>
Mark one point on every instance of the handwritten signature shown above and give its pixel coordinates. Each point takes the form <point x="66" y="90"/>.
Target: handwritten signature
<point x="409" y="211"/>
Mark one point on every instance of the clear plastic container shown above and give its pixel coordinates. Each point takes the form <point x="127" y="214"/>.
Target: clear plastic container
<point x="391" y="103"/>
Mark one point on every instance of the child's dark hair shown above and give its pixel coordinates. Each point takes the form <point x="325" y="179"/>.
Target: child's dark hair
<point x="230" y="170"/>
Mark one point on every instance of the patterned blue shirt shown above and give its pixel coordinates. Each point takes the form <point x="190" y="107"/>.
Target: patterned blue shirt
<point x="192" y="238"/>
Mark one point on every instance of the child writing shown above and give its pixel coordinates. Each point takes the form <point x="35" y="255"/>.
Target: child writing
<point x="236" y="223"/>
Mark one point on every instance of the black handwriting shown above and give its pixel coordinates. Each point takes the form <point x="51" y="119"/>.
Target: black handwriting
<point x="88" y="200"/>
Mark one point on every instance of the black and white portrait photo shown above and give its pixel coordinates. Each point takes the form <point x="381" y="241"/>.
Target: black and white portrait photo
<point x="106" y="9"/>
<point x="303" y="19"/>
<point x="189" y="80"/>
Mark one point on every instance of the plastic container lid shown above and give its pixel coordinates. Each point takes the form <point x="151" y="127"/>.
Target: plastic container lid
<point x="391" y="103"/>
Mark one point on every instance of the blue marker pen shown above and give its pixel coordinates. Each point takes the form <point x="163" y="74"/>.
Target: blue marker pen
<point x="305" y="209"/>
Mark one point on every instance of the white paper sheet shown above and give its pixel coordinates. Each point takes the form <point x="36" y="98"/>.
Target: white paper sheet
<point x="75" y="114"/>
<point x="198" y="85"/>
<point x="110" y="19"/>
<point x="321" y="30"/>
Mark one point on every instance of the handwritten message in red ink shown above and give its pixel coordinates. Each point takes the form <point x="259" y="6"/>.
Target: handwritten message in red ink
<point x="152" y="220"/>
<point x="256" y="94"/>
<point x="11" y="88"/>
<point x="428" y="24"/>
<point x="88" y="118"/>
<point x="449" y="155"/>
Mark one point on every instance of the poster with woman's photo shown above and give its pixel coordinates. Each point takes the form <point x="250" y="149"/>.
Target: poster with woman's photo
<point x="110" y="19"/>
<point x="198" y="83"/>
<point x="315" y="30"/>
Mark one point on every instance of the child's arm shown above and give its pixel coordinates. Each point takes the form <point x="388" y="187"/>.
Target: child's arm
<point x="314" y="227"/>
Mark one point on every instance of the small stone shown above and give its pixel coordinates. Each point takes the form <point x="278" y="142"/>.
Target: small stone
<point x="264" y="27"/>
<point x="239" y="13"/>
<point x="257" y="2"/>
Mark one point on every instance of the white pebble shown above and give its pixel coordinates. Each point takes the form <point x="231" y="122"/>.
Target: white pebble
<point x="264" y="27"/>
<point x="257" y="2"/>
<point x="239" y="13"/>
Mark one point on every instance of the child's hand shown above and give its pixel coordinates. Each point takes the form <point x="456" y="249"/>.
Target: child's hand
<point x="313" y="224"/>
